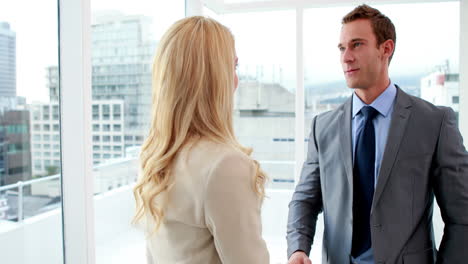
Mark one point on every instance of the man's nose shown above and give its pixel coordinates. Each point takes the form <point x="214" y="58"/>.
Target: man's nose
<point x="347" y="56"/>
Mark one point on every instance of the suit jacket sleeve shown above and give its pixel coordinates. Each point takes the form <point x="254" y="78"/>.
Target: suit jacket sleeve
<point x="306" y="201"/>
<point x="232" y="212"/>
<point x="451" y="191"/>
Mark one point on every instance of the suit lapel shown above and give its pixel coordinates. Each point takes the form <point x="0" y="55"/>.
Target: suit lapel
<point x="345" y="140"/>
<point x="400" y="117"/>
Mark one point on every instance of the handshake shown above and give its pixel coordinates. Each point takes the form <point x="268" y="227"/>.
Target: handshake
<point x="299" y="257"/>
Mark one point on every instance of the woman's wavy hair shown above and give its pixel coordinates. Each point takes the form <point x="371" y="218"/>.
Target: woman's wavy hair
<point x="193" y="91"/>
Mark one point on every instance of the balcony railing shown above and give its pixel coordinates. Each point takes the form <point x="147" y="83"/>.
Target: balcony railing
<point x="114" y="209"/>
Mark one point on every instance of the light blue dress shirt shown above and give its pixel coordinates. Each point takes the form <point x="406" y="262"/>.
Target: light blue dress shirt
<point x="384" y="105"/>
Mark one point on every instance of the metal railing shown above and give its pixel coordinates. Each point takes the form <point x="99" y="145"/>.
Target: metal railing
<point x="20" y="185"/>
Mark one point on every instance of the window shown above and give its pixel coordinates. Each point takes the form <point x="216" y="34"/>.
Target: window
<point x="117" y="148"/>
<point x="117" y="128"/>
<point x="116" y="111"/>
<point x="105" y="112"/>
<point x="427" y="72"/>
<point x="424" y="71"/>
<point x="55" y="110"/>
<point x="95" y="112"/>
<point x="265" y="97"/>
<point x="95" y="127"/>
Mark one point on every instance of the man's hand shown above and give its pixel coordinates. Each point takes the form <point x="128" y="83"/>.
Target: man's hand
<point x="299" y="257"/>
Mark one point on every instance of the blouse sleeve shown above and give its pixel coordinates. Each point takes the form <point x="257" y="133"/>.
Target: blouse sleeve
<point x="232" y="211"/>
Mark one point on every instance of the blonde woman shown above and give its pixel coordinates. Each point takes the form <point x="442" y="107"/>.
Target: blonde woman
<point x="200" y="193"/>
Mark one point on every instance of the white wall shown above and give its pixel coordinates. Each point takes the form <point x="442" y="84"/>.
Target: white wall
<point x="39" y="239"/>
<point x="36" y="240"/>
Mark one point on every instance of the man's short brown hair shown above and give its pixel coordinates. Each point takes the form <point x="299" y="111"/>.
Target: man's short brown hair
<point x="381" y="25"/>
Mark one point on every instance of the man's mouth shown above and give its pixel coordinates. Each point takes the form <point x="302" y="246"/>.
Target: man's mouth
<point x="351" y="71"/>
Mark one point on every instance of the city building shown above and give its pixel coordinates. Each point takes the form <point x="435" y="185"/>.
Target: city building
<point x="108" y="120"/>
<point x="45" y="138"/>
<point x="442" y="88"/>
<point x="7" y="61"/>
<point x="107" y="134"/>
<point x="15" y="150"/>
<point x="122" y="52"/>
<point x="52" y="76"/>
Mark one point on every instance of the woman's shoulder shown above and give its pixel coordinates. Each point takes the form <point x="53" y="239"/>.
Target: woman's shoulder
<point x="217" y="152"/>
<point x="204" y="156"/>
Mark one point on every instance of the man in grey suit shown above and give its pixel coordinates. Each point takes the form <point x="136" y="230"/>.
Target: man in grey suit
<point x="375" y="164"/>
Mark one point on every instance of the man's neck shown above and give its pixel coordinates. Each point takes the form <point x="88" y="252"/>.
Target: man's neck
<point x="370" y="94"/>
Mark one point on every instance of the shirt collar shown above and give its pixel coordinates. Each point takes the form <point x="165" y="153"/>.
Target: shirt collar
<point x="382" y="104"/>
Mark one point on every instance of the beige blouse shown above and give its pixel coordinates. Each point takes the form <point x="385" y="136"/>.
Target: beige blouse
<point x="213" y="212"/>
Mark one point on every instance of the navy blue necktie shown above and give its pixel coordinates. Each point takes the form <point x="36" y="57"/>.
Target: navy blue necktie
<point x="363" y="172"/>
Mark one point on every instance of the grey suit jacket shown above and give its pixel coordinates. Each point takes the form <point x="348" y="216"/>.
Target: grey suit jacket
<point x="424" y="157"/>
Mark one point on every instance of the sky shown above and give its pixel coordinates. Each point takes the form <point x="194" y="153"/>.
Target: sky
<point x="427" y="35"/>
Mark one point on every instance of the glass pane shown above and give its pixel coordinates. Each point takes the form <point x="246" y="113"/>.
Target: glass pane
<point x="30" y="194"/>
<point x="425" y="63"/>
<point x="265" y="109"/>
<point x="124" y="39"/>
<point x="265" y="99"/>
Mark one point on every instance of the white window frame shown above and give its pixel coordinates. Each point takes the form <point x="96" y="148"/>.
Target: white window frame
<point x="75" y="110"/>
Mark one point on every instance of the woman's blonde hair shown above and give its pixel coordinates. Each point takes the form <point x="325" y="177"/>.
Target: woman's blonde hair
<point x="193" y="86"/>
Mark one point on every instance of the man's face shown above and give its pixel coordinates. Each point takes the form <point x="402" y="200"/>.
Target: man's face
<point x="362" y="62"/>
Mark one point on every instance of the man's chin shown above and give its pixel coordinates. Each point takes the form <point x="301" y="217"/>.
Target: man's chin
<point x="352" y="85"/>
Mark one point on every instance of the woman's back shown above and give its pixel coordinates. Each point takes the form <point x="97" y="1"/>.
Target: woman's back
<point x="212" y="213"/>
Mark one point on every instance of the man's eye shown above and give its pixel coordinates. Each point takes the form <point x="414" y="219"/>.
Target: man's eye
<point x="341" y="49"/>
<point x="357" y="44"/>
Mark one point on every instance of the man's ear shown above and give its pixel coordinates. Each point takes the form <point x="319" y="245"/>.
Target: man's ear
<point x="388" y="47"/>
